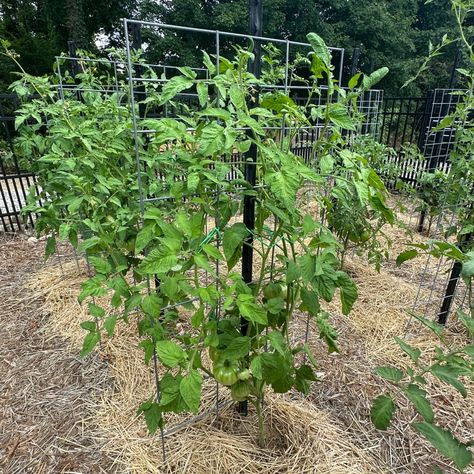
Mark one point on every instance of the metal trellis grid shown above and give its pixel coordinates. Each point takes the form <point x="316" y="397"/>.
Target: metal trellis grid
<point x="137" y="93"/>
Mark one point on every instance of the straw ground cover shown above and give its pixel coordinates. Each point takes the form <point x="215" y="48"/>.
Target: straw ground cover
<point x="95" y="399"/>
<point x="46" y="391"/>
<point x="302" y="438"/>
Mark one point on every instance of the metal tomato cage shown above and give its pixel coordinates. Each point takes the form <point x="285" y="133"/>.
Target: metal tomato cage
<point x="243" y="166"/>
<point x="130" y="79"/>
<point x="413" y="121"/>
<point x="442" y="290"/>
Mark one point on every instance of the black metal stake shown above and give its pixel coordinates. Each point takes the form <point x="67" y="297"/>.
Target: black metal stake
<point x="452" y="284"/>
<point x="450" y="290"/>
<point x="255" y="29"/>
<point x="355" y="61"/>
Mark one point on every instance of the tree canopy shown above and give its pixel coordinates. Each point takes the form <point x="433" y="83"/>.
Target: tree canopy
<point x="393" y="33"/>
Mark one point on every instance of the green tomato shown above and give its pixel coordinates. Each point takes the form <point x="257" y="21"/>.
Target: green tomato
<point x="226" y="372"/>
<point x="244" y="374"/>
<point x="359" y="238"/>
<point x="214" y="354"/>
<point x="241" y="390"/>
<point x="272" y="290"/>
<point x="365" y="236"/>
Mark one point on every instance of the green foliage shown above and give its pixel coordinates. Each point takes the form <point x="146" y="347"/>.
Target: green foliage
<point x="449" y="366"/>
<point x="356" y="209"/>
<point x="382" y="411"/>
<point x="86" y="166"/>
<point x="446" y="444"/>
<point x="440" y="191"/>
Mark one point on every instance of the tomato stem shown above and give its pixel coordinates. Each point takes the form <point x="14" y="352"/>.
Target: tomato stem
<point x="261" y="426"/>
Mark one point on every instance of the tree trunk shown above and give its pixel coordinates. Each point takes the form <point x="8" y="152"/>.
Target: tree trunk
<point x="76" y="23"/>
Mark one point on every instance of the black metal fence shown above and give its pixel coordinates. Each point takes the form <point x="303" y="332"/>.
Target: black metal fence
<point x="15" y="180"/>
<point x="398" y="122"/>
<point x="408" y="121"/>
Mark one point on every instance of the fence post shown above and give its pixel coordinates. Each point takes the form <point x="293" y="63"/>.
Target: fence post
<point x="457" y="60"/>
<point x="255" y="29"/>
<point x="71" y="46"/>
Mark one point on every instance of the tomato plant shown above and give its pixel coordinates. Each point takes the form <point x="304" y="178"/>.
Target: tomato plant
<point x="452" y="363"/>
<point x="188" y="224"/>
<point x="355" y="208"/>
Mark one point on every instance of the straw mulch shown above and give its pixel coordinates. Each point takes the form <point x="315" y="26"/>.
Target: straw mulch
<point x="301" y="437"/>
<point x="327" y="432"/>
<point x="46" y="391"/>
<point x="366" y="341"/>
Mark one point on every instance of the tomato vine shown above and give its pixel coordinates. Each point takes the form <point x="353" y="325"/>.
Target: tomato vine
<point x="188" y="224"/>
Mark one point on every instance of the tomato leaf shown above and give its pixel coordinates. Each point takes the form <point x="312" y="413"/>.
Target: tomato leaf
<point x="238" y="348"/>
<point x="95" y="310"/>
<point x="418" y="397"/>
<point x="407" y="255"/>
<point x="277" y="342"/>
<point x="327" y="331"/>
<point x="445" y="443"/>
<point x="310" y="302"/>
<point x="348" y="291"/>
<point x="413" y="352"/>
<point x="151" y="305"/>
<point x="90" y="341"/>
<point x="320" y="48"/>
<point x="389" y="373"/>
<point x="109" y="325"/>
<point x="250" y="310"/>
<point x="170" y="353"/>
<point x="382" y="411"/>
<point x="152" y="413"/>
<point x="232" y="243"/>
<point x="369" y="81"/>
<point x="449" y="375"/>
<point x="190" y="390"/>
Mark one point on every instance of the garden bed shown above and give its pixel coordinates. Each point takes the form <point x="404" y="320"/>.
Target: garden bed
<point x="64" y="414"/>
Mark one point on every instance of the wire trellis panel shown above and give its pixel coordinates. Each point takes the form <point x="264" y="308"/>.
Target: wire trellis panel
<point x="441" y="290"/>
<point x="141" y="85"/>
<point x="438" y="144"/>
